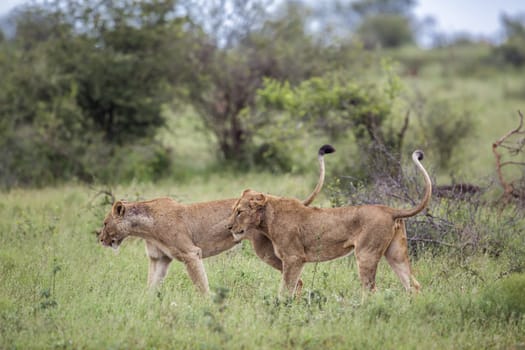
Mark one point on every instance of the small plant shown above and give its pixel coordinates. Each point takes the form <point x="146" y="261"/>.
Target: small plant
<point x="47" y="295"/>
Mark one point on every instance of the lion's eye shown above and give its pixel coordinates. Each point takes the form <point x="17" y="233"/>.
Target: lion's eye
<point x="239" y="212"/>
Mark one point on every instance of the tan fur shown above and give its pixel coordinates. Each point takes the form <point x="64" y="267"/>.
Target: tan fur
<point x="301" y="234"/>
<point x="187" y="233"/>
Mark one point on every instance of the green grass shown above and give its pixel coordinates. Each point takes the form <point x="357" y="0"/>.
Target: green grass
<point x="60" y="289"/>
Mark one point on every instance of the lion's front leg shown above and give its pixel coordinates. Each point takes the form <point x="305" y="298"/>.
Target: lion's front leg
<point x="264" y="249"/>
<point x="158" y="265"/>
<point x="292" y="268"/>
<point x="157" y="271"/>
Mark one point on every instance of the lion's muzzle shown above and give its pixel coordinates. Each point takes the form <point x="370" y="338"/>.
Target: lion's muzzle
<point x="237" y="234"/>
<point x="237" y="237"/>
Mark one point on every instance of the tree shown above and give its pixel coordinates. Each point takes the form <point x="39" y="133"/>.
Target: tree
<point x="385" y="31"/>
<point x="85" y="81"/>
<point x="385" y="23"/>
<point x="122" y="57"/>
<point x="512" y="51"/>
<point x="367" y="8"/>
<point x="229" y="68"/>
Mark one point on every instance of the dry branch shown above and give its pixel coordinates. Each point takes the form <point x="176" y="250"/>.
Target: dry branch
<point x="107" y="194"/>
<point x="513" y="148"/>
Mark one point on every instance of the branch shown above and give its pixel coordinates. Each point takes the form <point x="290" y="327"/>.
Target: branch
<point x="401" y="134"/>
<point x="512" y="162"/>
<point x="507" y="187"/>
<point x="428" y="240"/>
<point x="107" y="193"/>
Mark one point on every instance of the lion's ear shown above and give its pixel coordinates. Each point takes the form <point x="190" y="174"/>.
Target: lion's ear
<point x="258" y="201"/>
<point x="246" y="192"/>
<point x="119" y="209"/>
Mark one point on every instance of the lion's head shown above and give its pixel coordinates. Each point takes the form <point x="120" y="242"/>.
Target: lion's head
<point x="247" y="214"/>
<point x="115" y="228"/>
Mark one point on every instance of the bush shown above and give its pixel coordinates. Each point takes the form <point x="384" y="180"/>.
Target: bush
<point x="143" y="161"/>
<point x="505" y="298"/>
<point x="512" y="52"/>
<point x="445" y="124"/>
<point x="385" y="30"/>
<point x="337" y="106"/>
<point x="35" y="161"/>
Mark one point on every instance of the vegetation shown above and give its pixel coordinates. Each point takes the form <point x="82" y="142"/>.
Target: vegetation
<point x="60" y="289"/>
<point x="89" y="87"/>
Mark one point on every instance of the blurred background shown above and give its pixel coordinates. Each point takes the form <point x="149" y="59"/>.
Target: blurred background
<point x="110" y="92"/>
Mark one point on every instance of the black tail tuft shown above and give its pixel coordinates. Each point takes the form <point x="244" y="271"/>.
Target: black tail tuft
<point x="419" y="154"/>
<point x="325" y="149"/>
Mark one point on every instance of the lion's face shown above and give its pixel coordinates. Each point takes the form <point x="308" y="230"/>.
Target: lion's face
<point x="247" y="214"/>
<point x="113" y="232"/>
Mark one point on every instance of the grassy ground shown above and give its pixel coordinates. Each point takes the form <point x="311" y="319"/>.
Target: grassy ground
<point x="60" y="289"/>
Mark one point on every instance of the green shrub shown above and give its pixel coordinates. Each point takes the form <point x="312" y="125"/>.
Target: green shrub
<point x="385" y="30"/>
<point x="339" y="107"/>
<point x="142" y="161"/>
<point x="446" y="126"/>
<point x="505" y="298"/>
<point x="512" y="52"/>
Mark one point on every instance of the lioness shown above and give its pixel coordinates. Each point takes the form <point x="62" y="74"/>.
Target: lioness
<point x="187" y="233"/>
<point x="301" y="234"/>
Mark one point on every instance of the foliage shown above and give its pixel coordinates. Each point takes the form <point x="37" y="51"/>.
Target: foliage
<point x="385" y="23"/>
<point x="117" y="59"/>
<point x="385" y="31"/>
<point x="86" y="78"/>
<point x="512" y="51"/>
<point x="443" y="125"/>
<point x="375" y="7"/>
<point x="85" y="82"/>
<point x="334" y="105"/>
<point x="228" y="75"/>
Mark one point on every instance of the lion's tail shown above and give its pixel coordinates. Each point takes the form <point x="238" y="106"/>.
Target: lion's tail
<point x="417" y="156"/>
<point x="325" y="149"/>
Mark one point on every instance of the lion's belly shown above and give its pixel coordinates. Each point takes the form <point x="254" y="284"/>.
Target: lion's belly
<point x="322" y="252"/>
<point x="328" y="238"/>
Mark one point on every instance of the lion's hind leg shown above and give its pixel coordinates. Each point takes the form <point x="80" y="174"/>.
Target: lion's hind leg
<point x="397" y="257"/>
<point x="196" y="271"/>
<point x="367" y="264"/>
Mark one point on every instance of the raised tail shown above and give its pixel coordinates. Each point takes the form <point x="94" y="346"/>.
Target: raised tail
<point x="417" y="156"/>
<point x="325" y="149"/>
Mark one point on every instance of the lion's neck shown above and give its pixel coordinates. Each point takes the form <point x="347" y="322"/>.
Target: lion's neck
<point x="271" y="213"/>
<point x="142" y="226"/>
<point x="279" y="212"/>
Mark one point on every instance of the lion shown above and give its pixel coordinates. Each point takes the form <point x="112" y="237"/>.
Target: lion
<point x="187" y="233"/>
<point x="301" y="234"/>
